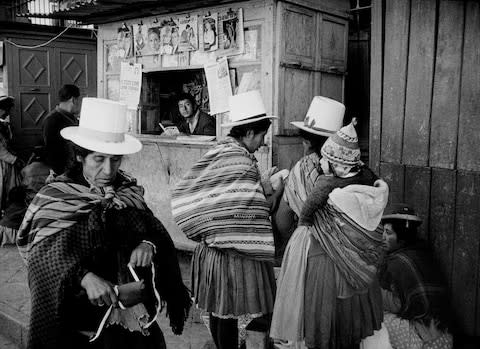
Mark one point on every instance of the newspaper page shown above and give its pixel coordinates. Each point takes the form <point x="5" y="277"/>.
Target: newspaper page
<point x="130" y="84"/>
<point x="219" y="87"/>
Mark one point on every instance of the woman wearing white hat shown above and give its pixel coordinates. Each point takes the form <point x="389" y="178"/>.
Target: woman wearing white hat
<point x="221" y="204"/>
<point x="79" y="236"/>
<point x="331" y="257"/>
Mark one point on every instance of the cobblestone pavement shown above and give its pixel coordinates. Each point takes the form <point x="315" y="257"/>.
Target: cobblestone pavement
<point x="15" y="307"/>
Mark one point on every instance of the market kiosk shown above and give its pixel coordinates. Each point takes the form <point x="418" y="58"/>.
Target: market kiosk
<point x="289" y="50"/>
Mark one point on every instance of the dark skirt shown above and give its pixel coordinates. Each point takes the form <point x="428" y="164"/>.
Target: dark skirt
<point x="229" y="285"/>
<point x="331" y="322"/>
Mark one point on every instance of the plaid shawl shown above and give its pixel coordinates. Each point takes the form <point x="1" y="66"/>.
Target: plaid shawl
<point x="221" y="201"/>
<point x="410" y="272"/>
<point x="69" y="229"/>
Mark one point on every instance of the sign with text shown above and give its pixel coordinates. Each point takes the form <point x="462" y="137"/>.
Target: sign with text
<point x="130" y="84"/>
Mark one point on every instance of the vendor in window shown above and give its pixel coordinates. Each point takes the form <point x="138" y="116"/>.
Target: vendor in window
<point x="194" y="121"/>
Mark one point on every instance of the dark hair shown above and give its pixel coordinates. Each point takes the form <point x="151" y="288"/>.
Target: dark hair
<point x="153" y="30"/>
<point x="73" y="166"/>
<point x="404" y="233"/>
<point x="67" y="92"/>
<point x="315" y="140"/>
<point x="182" y="96"/>
<point x="257" y="127"/>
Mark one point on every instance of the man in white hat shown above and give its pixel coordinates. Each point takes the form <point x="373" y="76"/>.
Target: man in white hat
<point x="221" y="203"/>
<point x="92" y="222"/>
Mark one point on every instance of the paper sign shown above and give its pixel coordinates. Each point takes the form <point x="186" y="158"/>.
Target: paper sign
<point x="130" y="84"/>
<point x="219" y="87"/>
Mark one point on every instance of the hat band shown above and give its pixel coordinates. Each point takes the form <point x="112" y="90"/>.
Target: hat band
<point x="252" y="117"/>
<point x="109" y="137"/>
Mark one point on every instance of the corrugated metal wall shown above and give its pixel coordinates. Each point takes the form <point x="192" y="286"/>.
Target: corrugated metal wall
<point x="425" y="130"/>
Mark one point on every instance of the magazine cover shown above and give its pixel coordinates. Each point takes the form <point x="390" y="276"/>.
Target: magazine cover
<point x="140" y="39"/>
<point x="231" y="36"/>
<point x="124" y="41"/>
<point x="188" y="28"/>
<point x="210" y="32"/>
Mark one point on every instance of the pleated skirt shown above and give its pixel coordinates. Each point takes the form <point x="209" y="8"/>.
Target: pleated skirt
<point x="331" y="322"/>
<point x="229" y="285"/>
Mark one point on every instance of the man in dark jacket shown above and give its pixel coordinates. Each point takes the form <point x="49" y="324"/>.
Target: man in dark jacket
<point x="195" y="121"/>
<point x="57" y="149"/>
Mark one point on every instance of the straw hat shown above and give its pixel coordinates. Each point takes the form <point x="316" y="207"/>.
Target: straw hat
<point x="246" y="108"/>
<point x="324" y="117"/>
<point x="102" y="128"/>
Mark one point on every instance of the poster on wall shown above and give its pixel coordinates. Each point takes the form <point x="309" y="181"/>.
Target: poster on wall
<point x="231" y="32"/>
<point x="188" y="28"/>
<point x="210" y="30"/>
<point x="124" y="41"/>
<point x="130" y="84"/>
<point x="140" y="39"/>
<point x="219" y="87"/>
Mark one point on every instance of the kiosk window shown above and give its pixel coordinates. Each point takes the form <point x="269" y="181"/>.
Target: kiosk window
<point x="160" y="91"/>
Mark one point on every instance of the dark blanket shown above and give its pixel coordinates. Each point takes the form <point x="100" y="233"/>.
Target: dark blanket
<point x="100" y="241"/>
<point x="412" y="275"/>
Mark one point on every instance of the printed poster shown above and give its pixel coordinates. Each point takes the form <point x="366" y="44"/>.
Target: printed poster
<point x="219" y="87"/>
<point x="124" y="42"/>
<point x="130" y="84"/>
<point x="162" y="39"/>
<point x="231" y="32"/>
<point x="210" y="32"/>
<point x="188" y="28"/>
<point x="140" y="39"/>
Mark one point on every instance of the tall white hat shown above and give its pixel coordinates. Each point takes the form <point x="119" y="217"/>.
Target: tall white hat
<point x="102" y="128"/>
<point x="324" y="117"/>
<point x="246" y="108"/>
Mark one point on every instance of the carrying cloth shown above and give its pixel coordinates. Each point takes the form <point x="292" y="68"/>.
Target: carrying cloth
<point x="221" y="202"/>
<point x="68" y="228"/>
<point x="354" y="250"/>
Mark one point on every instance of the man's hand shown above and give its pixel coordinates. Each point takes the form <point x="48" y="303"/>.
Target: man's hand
<point x="99" y="291"/>
<point x="142" y="255"/>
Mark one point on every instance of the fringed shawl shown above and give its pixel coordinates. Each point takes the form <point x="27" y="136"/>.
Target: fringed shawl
<point x="221" y="201"/>
<point x="67" y="230"/>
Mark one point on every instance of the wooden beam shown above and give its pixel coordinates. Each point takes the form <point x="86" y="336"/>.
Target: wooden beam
<point x="376" y="82"/>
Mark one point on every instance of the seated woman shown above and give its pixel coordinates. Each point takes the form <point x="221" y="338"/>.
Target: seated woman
<point x="328" y="294"/>
<point x="414" y="294"/>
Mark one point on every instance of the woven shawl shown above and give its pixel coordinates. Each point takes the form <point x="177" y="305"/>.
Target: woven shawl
<point x="58" y="251"/>
<point x="60" y="205"/>
<point x="220" y="201"/>
<point x="355" y="251"/>
<point x="415" y="279"/>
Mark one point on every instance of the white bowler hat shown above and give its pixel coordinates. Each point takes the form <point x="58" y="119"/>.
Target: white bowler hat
<point x="102" y="128"/>
<point x="324" y="117"/>
<point x="246" y="108"/>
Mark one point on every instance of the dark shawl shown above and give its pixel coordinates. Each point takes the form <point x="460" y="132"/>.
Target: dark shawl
<point x="412" y="275"/>
<point x="100" y="240"/>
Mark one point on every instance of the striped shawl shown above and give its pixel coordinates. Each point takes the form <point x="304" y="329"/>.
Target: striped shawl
<point x="221" y="202"/>
<point x="61" y="204"/>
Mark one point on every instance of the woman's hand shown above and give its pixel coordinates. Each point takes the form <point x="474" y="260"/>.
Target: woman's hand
<point x="99" y="291"/>
<point x="142" y="255"/>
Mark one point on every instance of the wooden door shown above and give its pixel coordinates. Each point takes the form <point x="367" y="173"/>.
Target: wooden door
<point x="36" y="75"/>
<point x="313" y="51"/>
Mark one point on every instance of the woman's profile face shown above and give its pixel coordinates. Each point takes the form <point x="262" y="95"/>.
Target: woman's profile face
<point x="154" y="41"/>
<point x="389" y="236"/>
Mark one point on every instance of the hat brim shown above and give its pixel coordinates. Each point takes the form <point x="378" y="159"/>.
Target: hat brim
<point x="406" y="217"/>
<point x="248" y="121"/>
<point x="302" y="126"/>
<point x="129" y="145"/>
